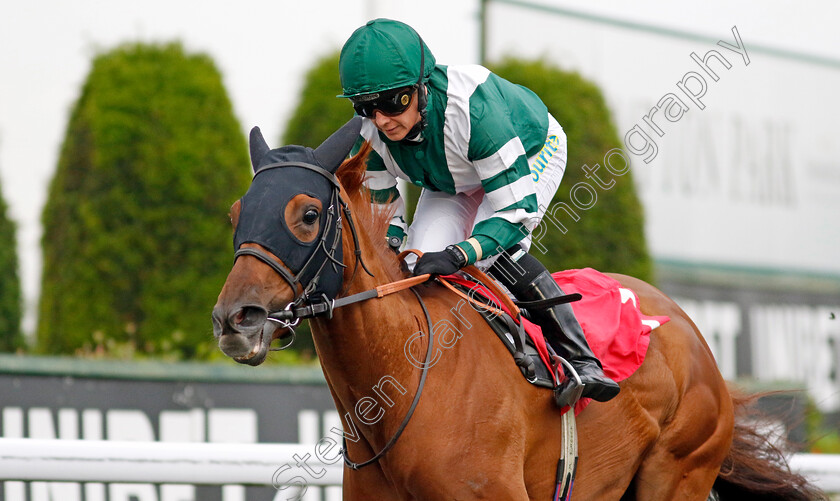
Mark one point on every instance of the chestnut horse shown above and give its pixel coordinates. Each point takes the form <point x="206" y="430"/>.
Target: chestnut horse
<point x="480" y="431"/>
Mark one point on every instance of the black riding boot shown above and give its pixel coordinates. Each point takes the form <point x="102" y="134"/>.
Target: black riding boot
<point x="562" y="330"/>
<point x="529" y="280"/>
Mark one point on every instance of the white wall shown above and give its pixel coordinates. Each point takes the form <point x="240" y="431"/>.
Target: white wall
<point x="746" y="175"/>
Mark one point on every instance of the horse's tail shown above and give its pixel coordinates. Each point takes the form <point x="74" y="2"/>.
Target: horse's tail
<point x="756" y="468"/>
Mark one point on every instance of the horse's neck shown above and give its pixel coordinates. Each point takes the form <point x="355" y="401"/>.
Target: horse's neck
<point x="365" y="342"/>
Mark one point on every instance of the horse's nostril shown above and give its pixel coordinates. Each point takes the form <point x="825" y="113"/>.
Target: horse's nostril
<point x="248" y="317"/>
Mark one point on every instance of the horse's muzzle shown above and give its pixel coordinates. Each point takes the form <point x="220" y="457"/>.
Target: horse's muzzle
<point x="240" y="331"/>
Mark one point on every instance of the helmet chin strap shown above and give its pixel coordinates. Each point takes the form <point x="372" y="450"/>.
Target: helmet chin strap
<point x="415" y="134"/>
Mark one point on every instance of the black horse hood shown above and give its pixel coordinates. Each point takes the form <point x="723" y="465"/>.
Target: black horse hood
<point x="280" y="175"/>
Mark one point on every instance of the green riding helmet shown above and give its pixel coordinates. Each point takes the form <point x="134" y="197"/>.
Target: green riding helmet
<point x="382" y="55"/>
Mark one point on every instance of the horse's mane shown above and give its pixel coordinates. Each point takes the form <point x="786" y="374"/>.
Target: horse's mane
<point x="351" y="174"/>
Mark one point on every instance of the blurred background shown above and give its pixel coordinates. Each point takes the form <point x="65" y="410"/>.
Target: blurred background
<point x="122" y="144"/>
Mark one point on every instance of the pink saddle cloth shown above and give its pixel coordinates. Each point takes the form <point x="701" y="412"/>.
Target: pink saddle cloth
<point x="616" y="329"/>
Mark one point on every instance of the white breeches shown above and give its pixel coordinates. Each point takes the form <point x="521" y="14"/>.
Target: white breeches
<point x="441" y="219"/>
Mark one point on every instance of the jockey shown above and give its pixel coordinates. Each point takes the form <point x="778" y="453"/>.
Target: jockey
<point x="488" y="157"/>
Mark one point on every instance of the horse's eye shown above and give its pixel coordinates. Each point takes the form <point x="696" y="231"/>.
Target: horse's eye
<point x="310" y="216"/>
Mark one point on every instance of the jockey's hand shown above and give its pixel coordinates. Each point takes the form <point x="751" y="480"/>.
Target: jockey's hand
<point x="445" y="262"/>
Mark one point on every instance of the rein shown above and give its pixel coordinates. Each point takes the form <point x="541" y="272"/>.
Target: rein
<point x="315" y="309"/>
<point x="302" y="306"/>
<point x="294" y="314"/>
<point x="355" y="466"/>
<point x="291" y="316"/>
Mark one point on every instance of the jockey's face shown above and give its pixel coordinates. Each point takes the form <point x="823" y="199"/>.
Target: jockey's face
<point x="396" y="127"/>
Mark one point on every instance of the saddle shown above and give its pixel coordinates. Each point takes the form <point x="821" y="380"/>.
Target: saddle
<point x="532" y="356"/>
<point x="617" y="331"/>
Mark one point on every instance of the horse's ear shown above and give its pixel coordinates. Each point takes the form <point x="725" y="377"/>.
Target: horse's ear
<point x="335" y="148"/>
<point x="258" y="147"/>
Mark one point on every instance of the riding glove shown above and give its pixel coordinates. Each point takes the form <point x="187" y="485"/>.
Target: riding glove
<point x="445" y="262"/>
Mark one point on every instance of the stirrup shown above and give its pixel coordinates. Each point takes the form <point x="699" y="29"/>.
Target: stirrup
<point x="567" y="393"/>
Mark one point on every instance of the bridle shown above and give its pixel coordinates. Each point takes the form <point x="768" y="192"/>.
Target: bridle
<point x="305" y="304"/>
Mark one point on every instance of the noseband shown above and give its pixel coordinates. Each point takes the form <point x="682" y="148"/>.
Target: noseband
<point x="304" y="305"/>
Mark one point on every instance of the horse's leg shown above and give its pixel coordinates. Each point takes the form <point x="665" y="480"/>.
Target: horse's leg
<point x="678" y="468"/>
<point x="695" y="435"/>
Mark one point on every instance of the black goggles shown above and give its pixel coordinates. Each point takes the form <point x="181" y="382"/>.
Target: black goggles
<point x="389" y="103"/>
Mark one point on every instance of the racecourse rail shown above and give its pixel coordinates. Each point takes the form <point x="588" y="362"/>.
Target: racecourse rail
<point x="27" y="459"/>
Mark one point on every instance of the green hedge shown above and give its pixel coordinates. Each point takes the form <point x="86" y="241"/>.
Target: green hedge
<point x="609" y="235"/>
<point x="136" y="241"/>
<point x="11" y="337"/>
<point x="319" y="113"/>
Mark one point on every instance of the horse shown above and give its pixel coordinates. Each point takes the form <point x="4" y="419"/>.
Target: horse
<point x="308" y="238"/>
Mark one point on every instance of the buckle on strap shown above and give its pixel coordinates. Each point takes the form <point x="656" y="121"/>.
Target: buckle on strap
<point x="326" y="305"/>
<point x="292" y="314"/>
<point x="286" y="318"/>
